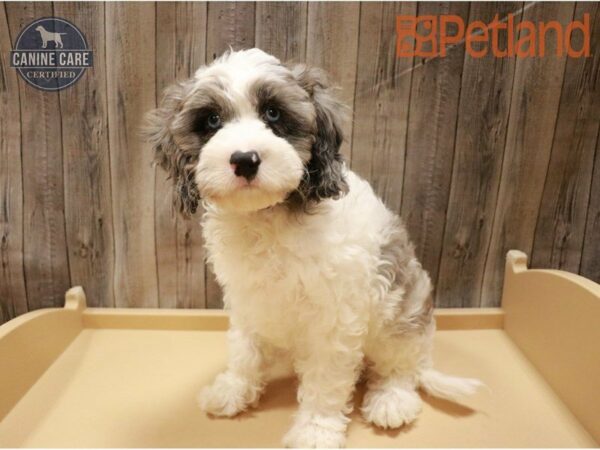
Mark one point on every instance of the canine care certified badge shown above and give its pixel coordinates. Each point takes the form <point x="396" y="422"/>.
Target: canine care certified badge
<point x="51" y="54"/>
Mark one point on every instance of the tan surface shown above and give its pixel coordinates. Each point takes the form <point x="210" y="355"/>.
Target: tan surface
<point x="554" y="318"/>
<point x="30" y="343"/>
<point x="130" y="388"/>
<point x="129" y="378"/>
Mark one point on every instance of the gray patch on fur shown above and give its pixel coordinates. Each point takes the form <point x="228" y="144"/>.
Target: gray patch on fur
<point x="323" y="176"/>
<point x="405" y="275"/>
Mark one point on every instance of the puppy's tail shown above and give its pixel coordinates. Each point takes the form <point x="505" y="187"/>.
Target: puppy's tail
<point x="448" y="387"/>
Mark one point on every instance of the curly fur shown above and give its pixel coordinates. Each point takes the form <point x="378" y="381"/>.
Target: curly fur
<point x="178" y="159"/>
<point x="339" y="290"/>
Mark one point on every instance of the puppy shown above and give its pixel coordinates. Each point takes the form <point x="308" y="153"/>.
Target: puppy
<point x="311" y="262"/>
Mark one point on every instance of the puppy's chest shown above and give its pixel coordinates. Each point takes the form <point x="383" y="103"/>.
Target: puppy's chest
<point x="260" y="256"/>
<point x="265" y="272"/>
<point x="268" y="255"/>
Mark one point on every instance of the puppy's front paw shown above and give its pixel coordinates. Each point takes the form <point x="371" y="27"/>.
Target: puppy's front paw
<point x="229" y="395"/>
<point x="391" y="407"/>
<point x="317" y="431"/>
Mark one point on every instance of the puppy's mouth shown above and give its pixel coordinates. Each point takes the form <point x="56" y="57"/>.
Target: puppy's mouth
<point x="247" y="198"/>
<point x="244" y="183"/>
<point x="241" y="194"/>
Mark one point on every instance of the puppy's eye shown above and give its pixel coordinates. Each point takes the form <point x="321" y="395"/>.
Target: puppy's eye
<point x="272" y="114"/>
<point x="213" y="121"/>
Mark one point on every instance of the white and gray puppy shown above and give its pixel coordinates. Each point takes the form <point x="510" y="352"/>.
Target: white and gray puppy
<point x="311" y="262"/>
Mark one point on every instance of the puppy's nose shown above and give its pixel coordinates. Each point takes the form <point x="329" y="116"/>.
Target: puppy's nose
<point x="245" y="164"/>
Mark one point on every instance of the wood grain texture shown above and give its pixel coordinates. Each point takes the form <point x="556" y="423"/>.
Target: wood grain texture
<point x="432" y="120"/>
<point x="45" y="250"/>
<point x="130" y="63"/>
<point x="478" y="155"/>
<point x="479" y="147"/>
<point x="534" y="111"/>
<point x="281" y="29"/>
<point x="230" y="24"/>
<point x="381" y="101"/>
<point x="88" y="198"/>
<point x="559" y="234"/>
<point x="180" y="50"/>
<point x="332" y="44"/>
<point x="590" y="258"/>
<point x="13" y="295"/>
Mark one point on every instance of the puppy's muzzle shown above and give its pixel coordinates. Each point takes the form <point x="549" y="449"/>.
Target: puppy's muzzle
<point x="245" y="164"/>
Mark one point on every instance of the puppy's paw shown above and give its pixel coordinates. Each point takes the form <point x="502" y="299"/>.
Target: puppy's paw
<point x="391" y="407"/>
<point x="229" y="395"/>
<point x="317" y="431"/>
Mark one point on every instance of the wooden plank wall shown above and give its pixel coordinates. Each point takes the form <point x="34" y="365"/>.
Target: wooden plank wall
<point x="479" y="155"/>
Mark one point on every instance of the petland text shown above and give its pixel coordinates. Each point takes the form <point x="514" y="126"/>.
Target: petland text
<point x="430" y="36"/>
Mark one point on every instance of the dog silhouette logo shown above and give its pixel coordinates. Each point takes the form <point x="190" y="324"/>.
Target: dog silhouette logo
<point x="47" y="36"/>
<point x="51" y="54"/>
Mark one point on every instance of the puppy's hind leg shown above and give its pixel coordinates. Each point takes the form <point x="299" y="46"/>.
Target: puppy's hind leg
<point x="398" y="349"/>
<point x="392" y="399"/>
<point x="400" y="353"/>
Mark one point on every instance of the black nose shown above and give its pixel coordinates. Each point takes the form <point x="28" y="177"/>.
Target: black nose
<point x="246" y="163"/>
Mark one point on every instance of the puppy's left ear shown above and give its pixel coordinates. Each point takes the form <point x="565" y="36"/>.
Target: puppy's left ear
<point x="324" y="176"/>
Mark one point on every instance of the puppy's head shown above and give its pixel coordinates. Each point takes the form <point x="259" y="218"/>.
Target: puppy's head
<point x="247" y="132"/>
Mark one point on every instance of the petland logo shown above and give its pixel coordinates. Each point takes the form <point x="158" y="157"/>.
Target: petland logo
<point x="430" y="36"/>
<point x="51" y="54"/>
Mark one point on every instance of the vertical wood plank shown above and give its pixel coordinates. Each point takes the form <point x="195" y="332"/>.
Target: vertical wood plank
<point x="332" y="44"/>
<point x="13" y="296"/>
<point x="590" y="258"/>
<point x="45" y="249"/>
<point x="165" y="217"/>
<point x="381" y="101"/>
<point x="88" y="207"/>
<point x="130" y="68"/>
<point x="180" y="50"/>
<point x="432" y="120"/>
<point x="229" y="24"/>
<point x="561" y="221"/>
<point x="281" y="29"/>
<point x="533" y="114"/>
<point x="480" y="138"/>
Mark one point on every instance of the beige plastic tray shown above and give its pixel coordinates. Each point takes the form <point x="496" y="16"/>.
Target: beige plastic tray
<point x="88" y="377"/>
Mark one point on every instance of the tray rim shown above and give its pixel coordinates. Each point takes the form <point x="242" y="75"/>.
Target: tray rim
<point x="217" y="320"/>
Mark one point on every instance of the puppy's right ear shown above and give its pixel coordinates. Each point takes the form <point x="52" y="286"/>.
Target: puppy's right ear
<point x="178" y="162"/>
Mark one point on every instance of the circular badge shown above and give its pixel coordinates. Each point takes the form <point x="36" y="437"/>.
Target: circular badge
<point x="51" y="54"/>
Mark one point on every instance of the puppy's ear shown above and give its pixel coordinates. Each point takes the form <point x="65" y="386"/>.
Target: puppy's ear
<point x="324" y="172"/>
<point x="176" y="160"/>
